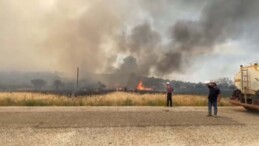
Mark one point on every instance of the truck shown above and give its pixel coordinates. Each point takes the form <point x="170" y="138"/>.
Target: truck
<point x="246" y="82"/>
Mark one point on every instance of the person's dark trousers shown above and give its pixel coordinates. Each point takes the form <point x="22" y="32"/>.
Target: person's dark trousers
<point x="169" y="99"/>
<point x="213" y="104"/>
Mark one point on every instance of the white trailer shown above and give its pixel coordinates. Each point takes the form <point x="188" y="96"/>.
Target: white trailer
<point x="247" y="84"/>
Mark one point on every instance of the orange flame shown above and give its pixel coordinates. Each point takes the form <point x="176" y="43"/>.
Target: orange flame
<point x="141" y="87"/>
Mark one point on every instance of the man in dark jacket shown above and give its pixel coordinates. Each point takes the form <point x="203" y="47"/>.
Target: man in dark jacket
<point x="213" y="98"/>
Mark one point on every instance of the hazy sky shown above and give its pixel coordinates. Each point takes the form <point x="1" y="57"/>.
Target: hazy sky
<point x="190" y="40"/>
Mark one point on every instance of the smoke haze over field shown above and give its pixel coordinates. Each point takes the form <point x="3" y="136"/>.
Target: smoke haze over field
<point x="176" y="39"/>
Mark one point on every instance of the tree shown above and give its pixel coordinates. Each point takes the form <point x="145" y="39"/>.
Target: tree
<point x="38" y="83"/>
<point x="57" y="84"/>
<point x="200" y="86"/>
<point x="101" y="86"/>
<point x="177" y="85"/>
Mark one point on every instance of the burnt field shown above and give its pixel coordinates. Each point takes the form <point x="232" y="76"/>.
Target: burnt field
<point x="70" y="93"/>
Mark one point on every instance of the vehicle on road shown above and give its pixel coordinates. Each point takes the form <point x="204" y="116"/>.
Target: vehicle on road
<point x="247" y="87"/>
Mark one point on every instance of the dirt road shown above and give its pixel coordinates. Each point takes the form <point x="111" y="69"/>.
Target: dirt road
<point x="127" y="126"/>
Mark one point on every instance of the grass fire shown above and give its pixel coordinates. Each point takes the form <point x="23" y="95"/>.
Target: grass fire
<point x="142" y="87"/>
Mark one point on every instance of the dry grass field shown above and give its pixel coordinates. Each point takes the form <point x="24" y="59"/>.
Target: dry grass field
<point x="111" y="99"/>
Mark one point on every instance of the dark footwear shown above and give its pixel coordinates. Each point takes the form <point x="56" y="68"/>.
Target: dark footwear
<point x="215" y="116"/>
<point x="209" y="115"/>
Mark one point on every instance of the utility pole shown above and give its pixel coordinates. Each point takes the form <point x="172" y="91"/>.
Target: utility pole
<point x="77" y="79"/>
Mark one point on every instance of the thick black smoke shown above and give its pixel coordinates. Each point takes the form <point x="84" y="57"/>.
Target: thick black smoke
<point x="220" y="21"/>
<point x="143" y="45"/>
<point x="152" y="36"/>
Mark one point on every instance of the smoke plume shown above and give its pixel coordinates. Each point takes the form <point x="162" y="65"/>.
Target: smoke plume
<point x="142" y="37"/>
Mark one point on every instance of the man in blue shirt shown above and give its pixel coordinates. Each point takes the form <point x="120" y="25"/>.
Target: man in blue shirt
<point x="213" y="98"/>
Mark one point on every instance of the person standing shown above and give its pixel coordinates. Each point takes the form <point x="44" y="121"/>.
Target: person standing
<point x="170" y="90"/>
<point x="213" y="98"/>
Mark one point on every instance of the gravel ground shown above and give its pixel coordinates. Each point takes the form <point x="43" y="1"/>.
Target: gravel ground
<point x="127" y="126"/>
